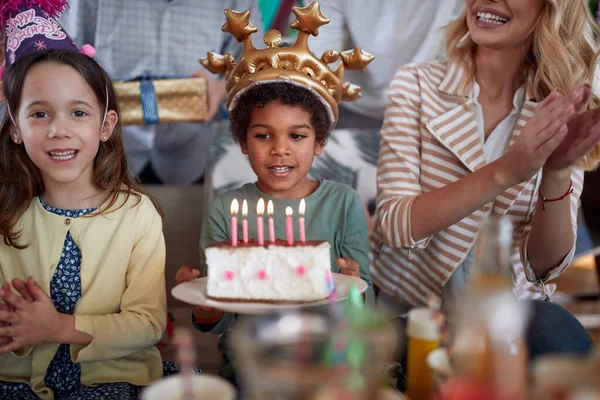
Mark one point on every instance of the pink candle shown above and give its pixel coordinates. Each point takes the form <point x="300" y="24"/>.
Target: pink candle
<point x="289" y="229"/>
<point x="301" y="211"/>
<point x="270" y="210"/>
<point x="234" y="227"/>
<point x="260" y="210"/>
<point x="245" y="221"/>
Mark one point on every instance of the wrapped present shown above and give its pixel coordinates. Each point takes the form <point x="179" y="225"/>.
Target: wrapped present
<point x="147" y="101"/>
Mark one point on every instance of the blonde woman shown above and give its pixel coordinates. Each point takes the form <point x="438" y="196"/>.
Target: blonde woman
<point x="500" y="129"/>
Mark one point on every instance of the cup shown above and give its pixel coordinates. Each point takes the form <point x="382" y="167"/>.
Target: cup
<point x="204" y="386"/>
<point x="423" y="337"/>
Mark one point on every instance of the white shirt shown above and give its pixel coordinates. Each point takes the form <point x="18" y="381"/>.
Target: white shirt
<point x="497" y="142"/>
<point x="397" y="32"/>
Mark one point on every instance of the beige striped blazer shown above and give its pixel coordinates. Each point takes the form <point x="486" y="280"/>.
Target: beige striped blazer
<point x="429" y="139"/>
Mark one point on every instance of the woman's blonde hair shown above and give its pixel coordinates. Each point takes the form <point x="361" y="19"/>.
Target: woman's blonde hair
<point x="563" y="54"/>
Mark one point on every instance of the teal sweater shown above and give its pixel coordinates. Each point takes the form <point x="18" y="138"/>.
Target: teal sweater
<point x="334" y="213"/>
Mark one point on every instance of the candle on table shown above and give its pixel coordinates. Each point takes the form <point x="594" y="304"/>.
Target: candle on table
<point x="260" y="210"/>
<point x="235" y="206"/>
<point x="244" y="221"/>
<point x="289" y="229"/>
<point x="301" y="211"/>
<point x="270" y="210"/>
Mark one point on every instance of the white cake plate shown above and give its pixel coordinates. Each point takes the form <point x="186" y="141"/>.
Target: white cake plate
<point x="194" y="292"/>
<point x="204" y="386"/>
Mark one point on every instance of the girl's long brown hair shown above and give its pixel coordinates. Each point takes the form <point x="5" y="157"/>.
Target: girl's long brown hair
<point x="20" y="178"/>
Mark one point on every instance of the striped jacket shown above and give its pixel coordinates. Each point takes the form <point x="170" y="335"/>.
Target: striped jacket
<point x="430" y="139"/>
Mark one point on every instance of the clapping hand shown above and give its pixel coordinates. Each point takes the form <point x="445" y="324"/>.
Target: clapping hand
<point x="583" y="134"/>
<point x="33" y="319"/>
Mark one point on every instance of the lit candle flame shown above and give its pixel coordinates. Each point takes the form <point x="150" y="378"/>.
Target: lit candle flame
<point x="302" y="207"/>
<point x="235" y="207"/>
<point x="244" y="208"/>
<point x="289" y="212"/>
<point x="260" y="207"/>
<point x="270" y="208"/>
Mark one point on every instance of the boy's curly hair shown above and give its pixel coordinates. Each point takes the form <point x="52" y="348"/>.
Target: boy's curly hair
<point x="288" y="94"/>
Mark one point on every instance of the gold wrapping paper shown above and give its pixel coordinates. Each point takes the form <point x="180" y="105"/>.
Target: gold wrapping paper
<point x="177" y="100"/>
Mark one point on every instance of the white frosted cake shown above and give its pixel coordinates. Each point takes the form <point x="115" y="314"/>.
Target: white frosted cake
<point x="274" y="273"/>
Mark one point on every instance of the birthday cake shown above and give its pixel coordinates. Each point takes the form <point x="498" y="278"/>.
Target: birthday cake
<point x="273" y="273"/>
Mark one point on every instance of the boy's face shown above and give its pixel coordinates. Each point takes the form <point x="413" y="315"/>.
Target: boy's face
<point x="281" y="145"/>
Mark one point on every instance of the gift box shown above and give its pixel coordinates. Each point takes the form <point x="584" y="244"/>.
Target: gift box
<point x="151" y="101"/>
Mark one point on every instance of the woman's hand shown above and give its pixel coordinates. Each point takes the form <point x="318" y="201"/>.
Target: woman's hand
<point x="542" y="135"/>
<point x="205" y="315"/>
<point x="32" y="322"/>
<point x="348" y="266"/>
<point x="584" y="133"/>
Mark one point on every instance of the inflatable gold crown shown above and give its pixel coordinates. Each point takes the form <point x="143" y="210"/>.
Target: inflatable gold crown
<point x="295" y="64"/>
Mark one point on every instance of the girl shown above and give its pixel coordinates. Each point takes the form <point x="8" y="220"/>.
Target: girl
<point x="82" y="244"/>
<point x="494" y="130"/>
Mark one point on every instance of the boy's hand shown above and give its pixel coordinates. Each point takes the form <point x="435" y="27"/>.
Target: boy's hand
<point x="348" y="266"/>
<point x="207" y="315"/>
<point x="186" y="274"/>
<point x="204" y="315"/>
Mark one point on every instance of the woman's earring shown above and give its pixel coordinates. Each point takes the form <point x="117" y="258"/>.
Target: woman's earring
<point x="104" y="138"/>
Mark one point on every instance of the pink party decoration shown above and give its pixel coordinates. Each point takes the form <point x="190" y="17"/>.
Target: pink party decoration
<point x="53" y="7"/>
<point x="300" y="270"/>
<point x="229" y="275"/>
<point x="88" y="50"/>
<point x="261" y="275"/>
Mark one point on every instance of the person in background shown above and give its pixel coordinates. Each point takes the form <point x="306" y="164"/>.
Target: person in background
<point x="161" y="38"/>
<point x="395" y="32"/>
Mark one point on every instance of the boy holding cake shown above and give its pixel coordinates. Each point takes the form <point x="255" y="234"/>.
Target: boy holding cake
<point x="283" y="103"/>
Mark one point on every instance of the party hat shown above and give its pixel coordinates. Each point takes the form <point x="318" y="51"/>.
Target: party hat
<point x="31" y="25"/>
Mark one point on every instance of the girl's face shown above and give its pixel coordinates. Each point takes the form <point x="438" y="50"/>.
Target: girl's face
<point x="502" y="24"/>
<point x="59" y="122"/>
<point x="281" y="145"/>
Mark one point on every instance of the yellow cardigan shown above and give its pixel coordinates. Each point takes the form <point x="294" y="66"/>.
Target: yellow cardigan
<point x="123" y="302"/>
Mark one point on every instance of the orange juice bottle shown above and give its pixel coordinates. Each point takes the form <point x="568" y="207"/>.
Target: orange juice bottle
<point x="423" y="337"/>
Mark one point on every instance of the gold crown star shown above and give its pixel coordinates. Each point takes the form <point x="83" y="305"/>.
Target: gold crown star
<point x="295" y="64"/>
<point x="356" y="59"/>
<point x="238" y="24"/>
<point x="309" y="19"/>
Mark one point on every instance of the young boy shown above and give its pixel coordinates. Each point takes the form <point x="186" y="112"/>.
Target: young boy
<point x="282" y="116"/>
